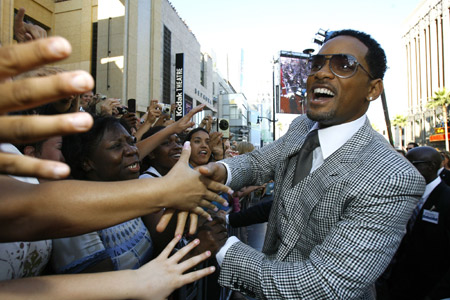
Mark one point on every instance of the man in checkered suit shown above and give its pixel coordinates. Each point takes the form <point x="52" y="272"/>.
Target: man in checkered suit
<point x="334" y="232"/>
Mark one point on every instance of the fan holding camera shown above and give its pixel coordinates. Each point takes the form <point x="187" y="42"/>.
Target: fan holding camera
<point x="129" y="115"/>
<point x="106" y="106"/>
<point x="207" y="123"/>
<point x="158" y="114"/>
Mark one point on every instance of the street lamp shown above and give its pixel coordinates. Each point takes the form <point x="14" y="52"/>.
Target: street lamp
<point x="258" y="121"/>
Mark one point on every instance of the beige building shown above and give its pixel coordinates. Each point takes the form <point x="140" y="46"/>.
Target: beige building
<point x="128" y="46"/>
<point x="426" y="40"/>
<point x="70" y="19"/>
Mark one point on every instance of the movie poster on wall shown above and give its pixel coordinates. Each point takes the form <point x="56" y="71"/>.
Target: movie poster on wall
<point x="293" y="75"/>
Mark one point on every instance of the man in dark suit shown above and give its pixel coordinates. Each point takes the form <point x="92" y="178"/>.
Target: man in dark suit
<point x="445" y="175"/>
<point x="332" y="232"/>
<point x="443" y="172"/>
<point x="421" y="267"/>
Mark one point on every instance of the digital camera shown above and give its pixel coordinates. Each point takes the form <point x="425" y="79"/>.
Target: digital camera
<point x="122" y="110"/>
<point x="224" y="126"/>
<point x="166" y="109"/>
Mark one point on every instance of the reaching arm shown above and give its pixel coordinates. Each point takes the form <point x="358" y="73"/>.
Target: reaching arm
<point x="348" y="259"/>
<point x="153" y="112"/>
<point x="31" y="92"/>
<point x="156" y="280"/>
<point x="24" y="32"/>
<point x="216" y="145"/>
<point x="149" y="144"/>
<point x="69" y="207"/>
<point x="258" y="213"/>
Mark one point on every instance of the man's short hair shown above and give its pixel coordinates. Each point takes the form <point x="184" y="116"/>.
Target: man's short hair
<point x="375" y="57"/>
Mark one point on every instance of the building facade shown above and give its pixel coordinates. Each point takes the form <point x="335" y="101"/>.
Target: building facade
<point x="426" y="42"/>
<point x="70" y="19"/>
<point x="130" y="47"/>
<point x="137" y="55"/>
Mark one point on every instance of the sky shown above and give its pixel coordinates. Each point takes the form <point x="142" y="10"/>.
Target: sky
<point x="261" y="28"/>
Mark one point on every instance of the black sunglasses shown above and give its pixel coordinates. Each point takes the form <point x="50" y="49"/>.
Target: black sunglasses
<point x="341" y="65"/>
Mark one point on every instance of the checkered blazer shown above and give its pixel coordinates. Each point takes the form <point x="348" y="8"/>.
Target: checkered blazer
<point x="334" y="233"/>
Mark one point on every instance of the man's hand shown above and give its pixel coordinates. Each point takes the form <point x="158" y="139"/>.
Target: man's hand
<point x="248" y="189"/>
<point x="31" y="92"/>
<point x="24" y="32"/>
<point x="214" y="171"/>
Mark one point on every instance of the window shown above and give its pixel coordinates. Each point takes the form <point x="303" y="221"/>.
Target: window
<point x="234" y="112"/>
<point x="94" y="50"/>
<point x="202" y="70"/>
<point x="167" y="57"/>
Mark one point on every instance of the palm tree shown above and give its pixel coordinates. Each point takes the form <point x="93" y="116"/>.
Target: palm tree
<point x="400" y="121"/>
<point x="441" y="98"/>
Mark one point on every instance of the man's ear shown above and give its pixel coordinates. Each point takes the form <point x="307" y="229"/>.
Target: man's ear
<point x="29" y="151"/>
<point x="375" y="89"/>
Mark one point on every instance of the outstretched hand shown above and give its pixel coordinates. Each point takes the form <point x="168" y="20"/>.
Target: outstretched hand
<point x="24" y="32"/>
<point x="153" y="112"/>
<point x="212" y="234"/>
<point x="108" y="107"/>
<point x="190" y="191"/>
<point x="216" y="145"/>
<point x="214" y="171"/>
<point x="185" y="122"/>
<point x="31" y="92"/>
<point x="181" y="221"/>
<point x="161" y="276"/>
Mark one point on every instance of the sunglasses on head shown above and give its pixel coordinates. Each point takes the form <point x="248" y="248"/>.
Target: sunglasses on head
<point x="341" y="65"/>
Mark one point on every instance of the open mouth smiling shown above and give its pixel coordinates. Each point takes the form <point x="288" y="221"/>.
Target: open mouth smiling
<point x="134" y="167"/>
<point x="322" y="94"/>
<point x="175" y="155"/>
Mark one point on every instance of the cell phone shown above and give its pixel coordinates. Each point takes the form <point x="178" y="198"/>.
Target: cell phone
<point x="132" y="105"/>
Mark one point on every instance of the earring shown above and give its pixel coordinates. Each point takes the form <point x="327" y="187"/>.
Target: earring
<point x="370" y="98"/>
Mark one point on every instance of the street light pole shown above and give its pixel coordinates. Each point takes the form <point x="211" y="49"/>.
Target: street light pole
<point x="274" y="99"/>
<point x="258" y="121"/>
<point x="386" y="118"/>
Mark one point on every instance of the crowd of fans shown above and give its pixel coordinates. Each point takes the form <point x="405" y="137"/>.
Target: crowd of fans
<point x="42" y="223"/>
<point x="133" y="200"/>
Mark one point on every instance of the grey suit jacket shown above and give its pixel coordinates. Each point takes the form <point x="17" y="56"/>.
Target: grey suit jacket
<point x="334" y="233"/>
